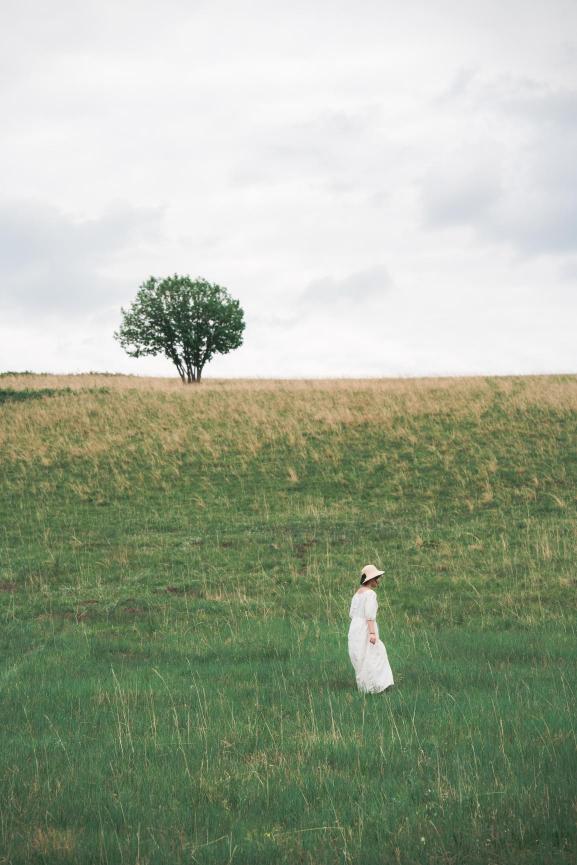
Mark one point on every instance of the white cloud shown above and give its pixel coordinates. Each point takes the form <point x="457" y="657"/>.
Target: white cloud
<point x="298" y="155"/>
<point x="515" y="180"/>
<point x="55" y="264"/>
<point x="463" y="191"/>
<point x="354" y="290"/>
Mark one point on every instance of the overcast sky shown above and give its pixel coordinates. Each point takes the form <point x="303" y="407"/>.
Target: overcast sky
<point x="389" y="188"/>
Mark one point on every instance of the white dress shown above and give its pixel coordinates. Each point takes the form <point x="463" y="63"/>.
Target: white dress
<point x="370" y="660"/>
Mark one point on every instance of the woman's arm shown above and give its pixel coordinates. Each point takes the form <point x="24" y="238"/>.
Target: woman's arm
<point x="371" y="607"/>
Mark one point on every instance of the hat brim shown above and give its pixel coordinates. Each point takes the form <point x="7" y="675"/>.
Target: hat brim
<point x="373" y="577"/>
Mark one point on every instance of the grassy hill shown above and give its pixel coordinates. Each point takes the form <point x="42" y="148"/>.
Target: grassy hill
<point x="176" y="568"/>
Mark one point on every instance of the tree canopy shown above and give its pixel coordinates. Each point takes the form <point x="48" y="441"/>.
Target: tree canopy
<point x="188" y="320"/>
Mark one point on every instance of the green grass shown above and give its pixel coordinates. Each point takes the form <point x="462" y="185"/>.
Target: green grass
<point x="175" y="577"/>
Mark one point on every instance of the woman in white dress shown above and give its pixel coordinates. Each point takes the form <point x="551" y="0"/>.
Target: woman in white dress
<point x="367" y="653"/>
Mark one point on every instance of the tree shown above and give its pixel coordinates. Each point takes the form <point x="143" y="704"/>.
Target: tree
<point x="188" y="320"/>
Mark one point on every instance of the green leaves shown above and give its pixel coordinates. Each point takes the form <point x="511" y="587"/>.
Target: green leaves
<point x="187" y="320"/>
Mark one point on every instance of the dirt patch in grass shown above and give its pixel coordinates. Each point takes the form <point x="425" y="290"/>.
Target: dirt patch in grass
<point x="183" y="590"/>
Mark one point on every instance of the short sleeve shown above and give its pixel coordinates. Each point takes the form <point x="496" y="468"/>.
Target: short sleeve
<point x="371" y="605"/>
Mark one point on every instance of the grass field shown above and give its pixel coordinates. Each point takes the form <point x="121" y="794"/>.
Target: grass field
<point x="175" y="574"/>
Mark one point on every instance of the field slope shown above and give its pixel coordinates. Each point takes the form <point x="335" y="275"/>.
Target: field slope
<point x="176" y="566"/>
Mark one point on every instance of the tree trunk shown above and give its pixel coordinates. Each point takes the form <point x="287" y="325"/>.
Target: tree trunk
<point x="190" y="377"/>
<point x="180" y="371"/>
<point x="194" y="373"/>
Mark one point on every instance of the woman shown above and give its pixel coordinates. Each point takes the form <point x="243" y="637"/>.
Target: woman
<point x="368" y="655"/>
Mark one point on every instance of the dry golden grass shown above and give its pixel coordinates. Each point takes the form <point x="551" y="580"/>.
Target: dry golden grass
<point x="553" y="390"/>
<point x="50" y="841"/>
<point x="153" y="422"/>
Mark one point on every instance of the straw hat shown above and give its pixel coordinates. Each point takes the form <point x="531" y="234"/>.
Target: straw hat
<point x="369" y="572"/>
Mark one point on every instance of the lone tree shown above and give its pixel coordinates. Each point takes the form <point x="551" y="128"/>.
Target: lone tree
<point x="188" y="320"/>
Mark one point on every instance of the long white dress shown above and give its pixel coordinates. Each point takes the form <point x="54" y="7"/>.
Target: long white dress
<point x="370" y="660"/>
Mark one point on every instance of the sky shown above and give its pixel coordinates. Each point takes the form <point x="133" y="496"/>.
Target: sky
<point x="389" y="189"/>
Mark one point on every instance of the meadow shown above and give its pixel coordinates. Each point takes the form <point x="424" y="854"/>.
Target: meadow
<point x="176" y="566"/>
